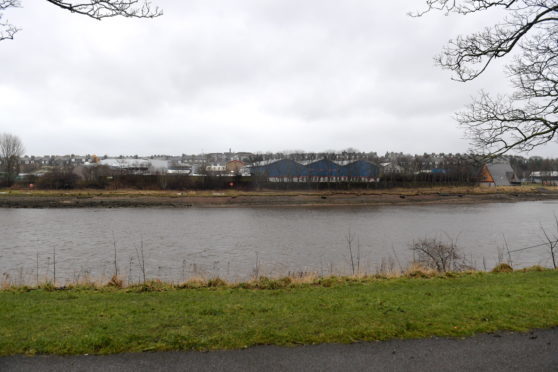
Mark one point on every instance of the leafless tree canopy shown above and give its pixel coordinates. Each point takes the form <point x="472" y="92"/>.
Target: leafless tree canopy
<point x="436" y="255"/>
<point x="7" y="30"/>
<point x="528" y="117"/>
<point x="100" y="9"/>
<point x="97" y="9"/>
<point x="11" y="149"/>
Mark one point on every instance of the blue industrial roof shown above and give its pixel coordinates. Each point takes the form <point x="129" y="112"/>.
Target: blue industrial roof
<point x="320" y="168"/>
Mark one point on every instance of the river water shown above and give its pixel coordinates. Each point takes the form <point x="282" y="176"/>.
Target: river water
<point x="236" y="243"/>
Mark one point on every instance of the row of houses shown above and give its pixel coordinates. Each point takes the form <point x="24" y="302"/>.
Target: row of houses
<point x="173" y="166"/>
<point x="76" y="160"/>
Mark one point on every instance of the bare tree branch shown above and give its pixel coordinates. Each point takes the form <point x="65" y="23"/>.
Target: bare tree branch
<point x="97" y="9"/>
<point x="529" y="117"/>
<point x="7" y="30"/>
<point x="100" y="9"/>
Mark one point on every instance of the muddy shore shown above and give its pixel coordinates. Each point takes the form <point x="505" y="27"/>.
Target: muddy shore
<point x="179" y="200"/>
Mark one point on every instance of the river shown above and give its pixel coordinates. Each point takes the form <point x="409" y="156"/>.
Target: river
<point x="235" y="243"/>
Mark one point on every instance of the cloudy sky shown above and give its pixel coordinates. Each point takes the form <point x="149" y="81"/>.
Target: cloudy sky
<point x="251" y="75"/>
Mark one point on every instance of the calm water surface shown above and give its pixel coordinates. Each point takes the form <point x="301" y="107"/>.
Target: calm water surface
<point x="232" y="243"/>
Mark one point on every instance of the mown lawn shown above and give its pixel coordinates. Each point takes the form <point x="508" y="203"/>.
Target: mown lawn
<point x="110" y="320"/>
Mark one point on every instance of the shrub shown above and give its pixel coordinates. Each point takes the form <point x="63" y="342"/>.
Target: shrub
<point x="59" y="178"/>
<point x="502" y="268"/>
<point x="216" y="282"/>
<point x="417" y="270"/>
<point x="436" y="255"/>
<point x="267" y="283"/>
<point x="115" y="282"/>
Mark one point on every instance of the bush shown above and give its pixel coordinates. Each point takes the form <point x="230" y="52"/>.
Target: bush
<point x="58" y="179"/>
<point x="502" y="268"/>
<point x="436" y="255"/>
<point x="115" y="282"/>
<point x="267" y="283"/>
<point x="216" y="282"/>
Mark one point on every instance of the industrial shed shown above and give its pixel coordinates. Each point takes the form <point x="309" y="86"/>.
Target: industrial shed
<point x="360" y="171"/>
<point x="323" y="170"/>
<point x="284" y="170"/>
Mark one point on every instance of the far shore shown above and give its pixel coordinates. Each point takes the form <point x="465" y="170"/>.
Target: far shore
<point x="269" y="198"/>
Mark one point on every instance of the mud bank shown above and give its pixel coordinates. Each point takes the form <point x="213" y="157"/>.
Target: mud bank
<point x="179" y="200"/>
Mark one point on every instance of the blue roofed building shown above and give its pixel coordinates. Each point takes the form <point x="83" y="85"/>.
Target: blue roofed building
<point x="323" y="170"/>
<point x="360" y="171"/>
<point x="284" y="170"/>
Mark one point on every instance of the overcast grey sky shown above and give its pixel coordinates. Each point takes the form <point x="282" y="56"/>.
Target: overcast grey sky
<point x="251" y="75"/>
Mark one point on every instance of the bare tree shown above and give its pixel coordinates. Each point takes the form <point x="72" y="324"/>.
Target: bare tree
<point x="11" y="149"/>
<point x="552" y="243"/>
<point x="436" y="255"/>
<point x="528" y="117"/>
<point x="97" y="9"/>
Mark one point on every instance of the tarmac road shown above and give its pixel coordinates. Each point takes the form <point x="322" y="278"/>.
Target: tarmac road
<point x="533" y="351"/>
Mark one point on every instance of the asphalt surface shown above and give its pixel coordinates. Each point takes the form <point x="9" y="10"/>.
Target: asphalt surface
<point x="533" y="351"/>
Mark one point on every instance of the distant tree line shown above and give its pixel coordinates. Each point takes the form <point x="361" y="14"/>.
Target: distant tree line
<point x="399" y="170"/>
<point x="523" y="166"/>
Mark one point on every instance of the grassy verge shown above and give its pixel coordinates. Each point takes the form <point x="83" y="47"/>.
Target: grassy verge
<point x="106" y="320"/>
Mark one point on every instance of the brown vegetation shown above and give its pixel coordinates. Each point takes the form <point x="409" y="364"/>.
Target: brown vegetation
<point x="268" y="198"/>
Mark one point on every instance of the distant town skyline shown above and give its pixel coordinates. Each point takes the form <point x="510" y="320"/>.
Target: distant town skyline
<point x="251" y="75"/>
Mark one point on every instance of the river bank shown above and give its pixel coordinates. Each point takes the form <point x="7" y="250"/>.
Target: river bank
<point x="229" y="198"/>
<point x="333" y="310"/>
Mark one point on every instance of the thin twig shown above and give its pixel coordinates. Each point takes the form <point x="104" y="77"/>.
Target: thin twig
<point x="54" y="266"/>
<point x="37" y="269"/>
<point x="510" y="262"/>
<point x="115" y="264"/>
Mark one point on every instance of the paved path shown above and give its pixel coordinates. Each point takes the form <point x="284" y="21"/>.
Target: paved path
<point x="534" y="351"/>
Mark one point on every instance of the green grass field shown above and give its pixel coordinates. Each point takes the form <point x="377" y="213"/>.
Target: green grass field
<point x="79" y="321"/>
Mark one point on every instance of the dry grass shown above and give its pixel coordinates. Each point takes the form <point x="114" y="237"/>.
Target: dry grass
<point x="502" y="268"/>
<point x="87" y="193"/>
<point x="387" y="270"/>
<point x="534" y="268"/>
<point x="414" y="270"/>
